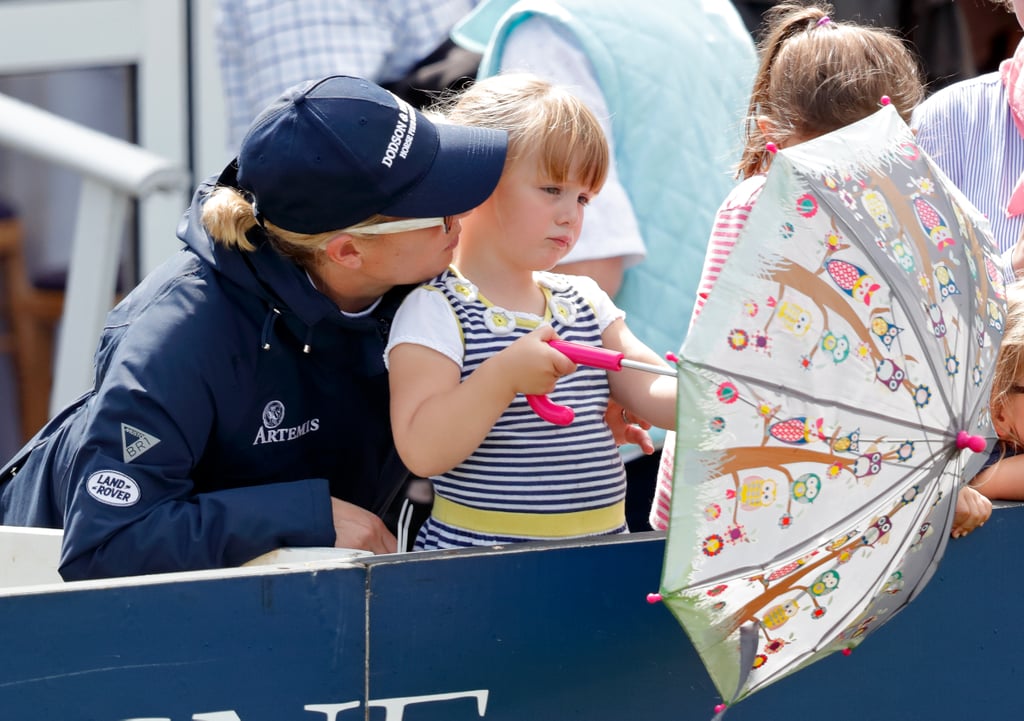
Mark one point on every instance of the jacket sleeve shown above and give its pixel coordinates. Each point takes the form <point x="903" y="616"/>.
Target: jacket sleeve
<point x="209" y="530"/>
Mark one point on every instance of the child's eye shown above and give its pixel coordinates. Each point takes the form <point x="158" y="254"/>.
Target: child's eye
<point x="583" y="200"/>
<point x="552" y="189"/>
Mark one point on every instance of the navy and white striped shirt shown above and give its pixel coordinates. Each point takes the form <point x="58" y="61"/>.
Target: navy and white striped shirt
<point x="525" y="465"/>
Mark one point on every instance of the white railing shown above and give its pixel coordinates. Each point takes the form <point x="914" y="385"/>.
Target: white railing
<point x="113" y="172"/>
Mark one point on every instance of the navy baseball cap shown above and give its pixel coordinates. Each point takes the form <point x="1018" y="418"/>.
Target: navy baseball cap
<point x="333" y="152"/>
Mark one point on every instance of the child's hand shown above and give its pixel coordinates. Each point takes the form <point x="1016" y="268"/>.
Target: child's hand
<point x="533" y="366"/>
<point x="972" y="510"/>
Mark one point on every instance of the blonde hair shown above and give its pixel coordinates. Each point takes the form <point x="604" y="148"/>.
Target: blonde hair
<point x="229" y="217"/>
<point x="539" y="118"/>
<point x="1010" y="361"/>
<point x="818" y="75"/>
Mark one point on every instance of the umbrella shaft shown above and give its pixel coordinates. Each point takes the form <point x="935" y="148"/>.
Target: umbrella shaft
<point x="648" y="367"/>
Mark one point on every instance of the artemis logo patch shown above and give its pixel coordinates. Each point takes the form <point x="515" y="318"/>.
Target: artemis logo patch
<point x="114" y="489"/>
<point x="135" y="442"/>
<point x="273" y="415"/>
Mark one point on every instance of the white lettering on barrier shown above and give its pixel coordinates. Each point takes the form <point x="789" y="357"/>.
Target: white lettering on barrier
<point x="394" y="707"/>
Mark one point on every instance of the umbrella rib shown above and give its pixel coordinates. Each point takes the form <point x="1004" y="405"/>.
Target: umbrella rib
<point x="807" y="397"/>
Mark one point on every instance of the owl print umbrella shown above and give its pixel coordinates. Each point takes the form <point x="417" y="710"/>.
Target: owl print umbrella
<point x="833" y="397"/>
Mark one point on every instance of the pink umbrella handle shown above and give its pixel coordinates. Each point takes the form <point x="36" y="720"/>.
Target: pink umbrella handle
<point x="588" y="355"/>
<point x="581" y="355"/>
<point x="551" y="412"/>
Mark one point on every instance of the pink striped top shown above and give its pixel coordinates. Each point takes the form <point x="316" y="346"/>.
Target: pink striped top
<point x="730" y="220"/>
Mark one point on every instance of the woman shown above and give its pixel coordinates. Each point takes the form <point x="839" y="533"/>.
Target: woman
<point x="241" y="400"/>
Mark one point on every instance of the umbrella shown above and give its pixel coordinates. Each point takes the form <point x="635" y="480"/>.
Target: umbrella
<point x="833" y="397"/>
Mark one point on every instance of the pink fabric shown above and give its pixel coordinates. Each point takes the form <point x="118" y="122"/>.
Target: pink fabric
<point x="1013" y="80"/>
<point x="729" y="222"/>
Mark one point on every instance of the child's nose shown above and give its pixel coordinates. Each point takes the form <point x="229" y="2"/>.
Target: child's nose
<point x="570" y="213"/>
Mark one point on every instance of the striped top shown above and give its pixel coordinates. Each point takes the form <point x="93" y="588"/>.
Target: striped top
<point x="968" y="131"/>
<point x="529" y="478"/>
<point x="730" y="220"/>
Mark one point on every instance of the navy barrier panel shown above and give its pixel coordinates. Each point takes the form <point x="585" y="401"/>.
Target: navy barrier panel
<point x="563" y="634"/>
<point x="261" y="646"/>
<point x="553" y="633"/>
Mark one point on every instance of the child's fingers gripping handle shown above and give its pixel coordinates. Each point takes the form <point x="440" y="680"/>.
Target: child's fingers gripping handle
<point x="588" y="355"/>
<point x="551" y="412"/>
<point x="581" y="355"/>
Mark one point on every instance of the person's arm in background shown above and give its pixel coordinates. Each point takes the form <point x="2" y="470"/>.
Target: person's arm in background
<point x="265" y="47"/>
<point x="610" y="241"/>
<point x="231" y="56"/>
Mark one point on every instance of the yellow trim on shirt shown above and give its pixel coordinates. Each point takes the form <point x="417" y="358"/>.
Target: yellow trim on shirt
<point x="534" y="525"/>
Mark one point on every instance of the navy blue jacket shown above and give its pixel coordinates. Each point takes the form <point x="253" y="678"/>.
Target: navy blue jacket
<point x="210" y="435"/>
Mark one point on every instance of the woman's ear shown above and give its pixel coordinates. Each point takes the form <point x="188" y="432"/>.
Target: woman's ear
<point x="342" y="249"/>
<point x="766" y="126"/>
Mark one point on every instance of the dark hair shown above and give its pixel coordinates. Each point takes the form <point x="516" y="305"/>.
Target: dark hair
<point x="818" y="75"/>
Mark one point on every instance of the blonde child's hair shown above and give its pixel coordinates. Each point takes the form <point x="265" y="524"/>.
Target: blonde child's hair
<point x="229" y="217"/>
<point x="1010" y="361"/>
<point x="540" y="118"/>
<point x="818" y="75"/>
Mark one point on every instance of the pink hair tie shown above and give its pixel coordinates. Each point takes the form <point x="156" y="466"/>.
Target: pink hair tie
<point x="885" y="100"/>
<point x="824" y="21"/>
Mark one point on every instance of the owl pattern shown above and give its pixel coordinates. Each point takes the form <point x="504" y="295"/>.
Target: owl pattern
<point x="865" y="317"/>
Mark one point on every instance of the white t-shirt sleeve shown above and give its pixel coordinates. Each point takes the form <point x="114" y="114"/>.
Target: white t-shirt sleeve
<point x="604" y="308"/>
<point x="425" y="318"/>
<point x="610" y="228"/>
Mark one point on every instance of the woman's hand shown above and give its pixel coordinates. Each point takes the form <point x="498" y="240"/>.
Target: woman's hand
<point x="628" y="428"/>
<point x="355" y="527"/>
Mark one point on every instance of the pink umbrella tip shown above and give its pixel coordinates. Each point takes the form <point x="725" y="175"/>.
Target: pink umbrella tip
<point x="720" y="708"/>
<point x="847" y="651"/>
<point x="885" y="100"/>
<point x="771" y="148"/>
<point x="671" y="357"/>
<point x="966" y="440"/>
<point x="653" y="597"/>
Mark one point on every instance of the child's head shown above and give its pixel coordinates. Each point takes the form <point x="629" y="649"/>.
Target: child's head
<point x="818" y="75"/>
<point x="1009" y="372"/>
<point x="544" y="122"/>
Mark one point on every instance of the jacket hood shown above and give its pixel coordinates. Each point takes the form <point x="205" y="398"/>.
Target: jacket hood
<point x="281" y="283"/>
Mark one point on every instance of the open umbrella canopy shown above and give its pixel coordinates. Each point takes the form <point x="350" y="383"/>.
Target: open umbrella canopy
<point x="830" y="393"/>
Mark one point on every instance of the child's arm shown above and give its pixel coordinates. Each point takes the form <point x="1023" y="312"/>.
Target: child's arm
<point x="1003" y="480"/>
<point x="649" y="395"/>
<point x="438" y="421"/>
